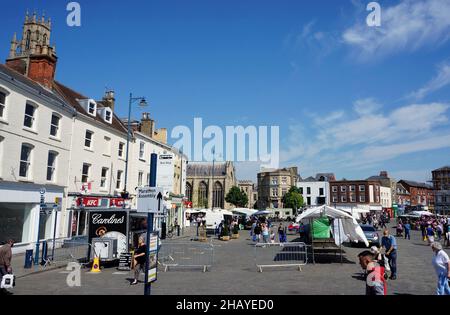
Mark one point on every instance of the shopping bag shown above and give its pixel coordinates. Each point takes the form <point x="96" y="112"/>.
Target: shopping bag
<point x="8" y="282"/>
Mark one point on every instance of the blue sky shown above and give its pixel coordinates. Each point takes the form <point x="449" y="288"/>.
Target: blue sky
<point x="349" y="99"/>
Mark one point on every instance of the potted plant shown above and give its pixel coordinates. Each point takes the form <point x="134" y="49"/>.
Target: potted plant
<point x="235" y="232"/>
<point x="225" y="233"/>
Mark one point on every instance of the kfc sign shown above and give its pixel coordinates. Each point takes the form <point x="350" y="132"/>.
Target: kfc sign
<point x="88" y="202"/>
<point x="116" y="202"/>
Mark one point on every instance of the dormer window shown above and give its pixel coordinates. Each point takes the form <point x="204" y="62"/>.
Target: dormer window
<point x="92" y="108"/>
<point x="108" y="116"/>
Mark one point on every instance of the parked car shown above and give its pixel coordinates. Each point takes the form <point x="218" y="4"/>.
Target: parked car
<point x="371" y="234"/>
<point x="294" y="227"/>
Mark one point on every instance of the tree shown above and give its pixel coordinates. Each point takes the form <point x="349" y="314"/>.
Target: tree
<point x="237" y="197"/>
<point x="293" y="199"/>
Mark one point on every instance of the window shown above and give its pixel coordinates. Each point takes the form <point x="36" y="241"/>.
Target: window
<point x="88" y="139"/>
<point x="352" y="188"/>
<point x="308" y="190"/>
<point x="321" y="192"/>
<point x="108" y="116"/>
<point x="51" y="166"/>
<point x="28" y="40"/>
<point x="301" y="190"/>
<point x="334" y="188"/>
<point x="362" y="198"/>
<point x="54" y="126"/>
<point x="92" y="108"/>
<point x="352" y="198"/>
<point x="335" y="199"/>
<point x="274" y="181"/>
<point x="362" y="188"/>
<point x="343" y="198"/>
<point x="108" y="146"/>
<point x="85" y="173"/>
<point x="189" y="192"/>
<point x="343" y="188"/>
<point x="284" y="180"/>
<point x="119" y="179"/>
<point x="121" y="147"/>
<point x="104" y="177"/>
<point x="30" y="110"/>
<point x="25" y="161"/>
<point x="141" y="150"/>
<point x="140" y="177"/>
<point x="308" y="201"/>
<point x="2" y="104"/>
<point x="275" y="192"/>
<point x="218" y="195"/>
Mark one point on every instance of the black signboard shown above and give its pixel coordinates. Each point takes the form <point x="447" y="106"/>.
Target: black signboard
<point x="109" y="224"/>
<point x="125" y="262"/>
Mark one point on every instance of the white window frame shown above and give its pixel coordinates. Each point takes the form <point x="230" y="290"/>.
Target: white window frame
<point x="104" y="179"/>
<point x="334" y="189"/>
<point x="4" y="105"/>
<point x="90" y="140"/>
<point x="86" y="175"/>
<point x="52" y="167"/>
<point x="108" y="146"/>
<point x="92" y="110"/>
<point x="343" y="198"/>
<point x="119" y="179"/>
<point x="343" y="188"/>
<point x="140" y="178"/>
<point x="28" y="162"/>
<point x="119" y="150"/>
<point x="33" y="118"/>
<point x="363" y="188"/>
<point x="55" y="126"/>
<point x="141" y="150"/>
<point x="362" y="198"/>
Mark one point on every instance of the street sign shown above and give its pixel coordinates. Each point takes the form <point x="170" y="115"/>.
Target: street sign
<point x="150" y="200"/>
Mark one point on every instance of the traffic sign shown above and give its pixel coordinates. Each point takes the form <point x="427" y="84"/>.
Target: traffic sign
<point x="149" y="199"/>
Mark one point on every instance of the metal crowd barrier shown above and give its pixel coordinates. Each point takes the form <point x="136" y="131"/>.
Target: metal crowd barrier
<point x="186" y="255"/>
<point x="273" y="255"/>
<point x="67" y="252"/>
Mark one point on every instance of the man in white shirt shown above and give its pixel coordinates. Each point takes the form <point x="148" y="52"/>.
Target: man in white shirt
<point x="441" y="264"/>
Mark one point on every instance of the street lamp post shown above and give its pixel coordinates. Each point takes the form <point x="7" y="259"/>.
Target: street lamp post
<point x="142" y="103"/>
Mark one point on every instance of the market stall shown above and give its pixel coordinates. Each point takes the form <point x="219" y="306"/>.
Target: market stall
<point x="330" y="228"/>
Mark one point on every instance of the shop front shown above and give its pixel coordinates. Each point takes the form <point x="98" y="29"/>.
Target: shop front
<point x="20" y="215"/>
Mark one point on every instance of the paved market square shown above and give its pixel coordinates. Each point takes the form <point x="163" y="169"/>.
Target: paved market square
<point x="234" y="273"/>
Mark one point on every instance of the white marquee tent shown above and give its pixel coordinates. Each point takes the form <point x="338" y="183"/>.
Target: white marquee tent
<point x="345" y="228"/>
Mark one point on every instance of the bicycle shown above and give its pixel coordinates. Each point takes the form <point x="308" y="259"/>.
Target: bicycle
<point x="170" y="232"/>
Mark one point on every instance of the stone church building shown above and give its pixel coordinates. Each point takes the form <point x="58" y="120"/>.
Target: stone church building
<point x="207" y="187"/>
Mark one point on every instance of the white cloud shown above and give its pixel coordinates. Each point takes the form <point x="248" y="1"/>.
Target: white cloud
<point x="441" y="80"/>
<point x="364" y="139"/>
<point x="366" y="106"/>
<point x="407" y="26"/>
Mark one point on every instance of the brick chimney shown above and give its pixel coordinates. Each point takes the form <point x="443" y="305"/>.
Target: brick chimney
<point x="147" y="125"/>
<point x="109" y="100"/>
<point x="42" y="69"/>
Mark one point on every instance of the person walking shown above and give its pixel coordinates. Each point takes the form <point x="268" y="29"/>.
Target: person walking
<point x="441" y="264"/>
<point x="430" y="234"/>
<point x="282" y="233"/>
<point x="139" y="260"/>
<point x="389" y="243"/>
<point x="257" y="232"/>
<point x="407" y="228"/>
<point x="5" y="262"/>
<point x="265" y="233"/>
<point x="375" y="281"/>
<point x="382" y="222"/>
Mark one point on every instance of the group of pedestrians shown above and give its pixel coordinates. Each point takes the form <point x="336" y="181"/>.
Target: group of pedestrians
<point x="263" y="231"/>
<point x="435" y="229"/>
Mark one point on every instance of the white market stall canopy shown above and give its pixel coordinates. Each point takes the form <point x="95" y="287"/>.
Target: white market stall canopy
<point x="355" y="212"/>
<point x="344" y="222"/>
<point x="246" y="211"/>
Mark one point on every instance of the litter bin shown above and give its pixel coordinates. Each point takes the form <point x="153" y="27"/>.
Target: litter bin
<point x="28" y="259"/>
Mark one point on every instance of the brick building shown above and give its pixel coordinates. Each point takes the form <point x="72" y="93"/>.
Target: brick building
<point x="356" y="193"/>
<point x="421" y="194"/>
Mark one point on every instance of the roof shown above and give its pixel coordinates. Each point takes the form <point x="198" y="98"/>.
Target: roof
<point x="309" y="179"/>
<point x="72" y="98"/>
<point x="61" y="94"/>
<point x="206" y="169"/>
<point x="415" y="184"/>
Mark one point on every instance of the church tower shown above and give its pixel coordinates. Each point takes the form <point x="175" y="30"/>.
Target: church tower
<point x="33" y="55"/>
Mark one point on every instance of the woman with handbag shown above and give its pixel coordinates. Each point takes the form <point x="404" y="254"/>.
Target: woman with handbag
<point x="139" y="260"/>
